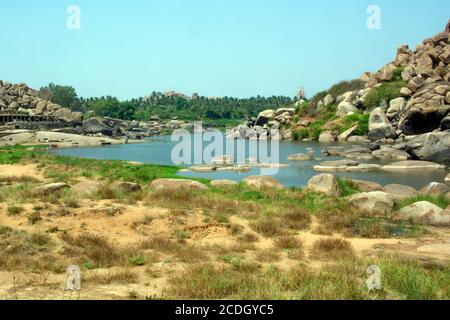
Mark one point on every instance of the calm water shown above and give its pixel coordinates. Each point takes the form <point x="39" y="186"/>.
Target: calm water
<point x="158" y="151"/>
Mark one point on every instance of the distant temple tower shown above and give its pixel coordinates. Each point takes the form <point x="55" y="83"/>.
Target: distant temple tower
<point x="301" y="94"/>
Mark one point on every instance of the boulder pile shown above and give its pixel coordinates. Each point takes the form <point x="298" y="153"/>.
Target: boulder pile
<point x="20" y="99"/>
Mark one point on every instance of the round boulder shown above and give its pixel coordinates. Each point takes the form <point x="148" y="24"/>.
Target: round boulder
<point x="376" y="202"/>
<point x="223" y="183"/>
<point x="401" y="192"/>
<point x="423" y="212"/>
<point x="367" y="186"/>
<point x="325" y="184"/>
<point x="435" y="189"/>
<point x="51" y="188"/>
<point x="87" y="187"/>
<point x="171" y="184"/>
<point x="261" y="182"/>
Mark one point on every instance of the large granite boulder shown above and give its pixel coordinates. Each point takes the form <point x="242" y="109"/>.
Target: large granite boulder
<point x="435" y="189"/>
<point x="328" y="100"/>
<point x="262" y="182"/>
<point x="325" y="184"/>
<point x="223" y="183"/>
<point x="175" y="184"/>
<point x="376" y="202"/>
<point x="327" y="137"/>
<point x="367" y="186"/>
<point x="50" y="188"/>
<point x="424" y="212"/>
<point x="102" y="126"/>
<point x="346" y="108"/>
<point x="264" y="117"/>
<point x="396" y="106"/>
<point x="434" y="146"/>
<point x="87" y="187"/>
<point x="68" y="116"/>
<point x="379" y="126"/>
<point x="401" y="192"/>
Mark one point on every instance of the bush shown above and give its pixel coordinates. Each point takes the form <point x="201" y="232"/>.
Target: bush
<point x="361" y="119"/>
<point x="338" y="89"/>
<point x="386" y="92"/>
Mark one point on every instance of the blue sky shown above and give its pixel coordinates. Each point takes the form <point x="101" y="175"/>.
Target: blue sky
<point x="215" y="47"/>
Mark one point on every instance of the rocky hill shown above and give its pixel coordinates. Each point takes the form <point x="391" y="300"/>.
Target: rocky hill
<point x="405" y="104"/>
<point x="20" y="99"/>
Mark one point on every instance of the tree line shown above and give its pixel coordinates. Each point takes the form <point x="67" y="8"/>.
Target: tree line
<point x="164" y="106"/>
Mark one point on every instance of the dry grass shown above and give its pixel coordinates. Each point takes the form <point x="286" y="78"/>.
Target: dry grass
<point x="24" y="251"/>
<point x="296" y="219"/>
<point x="125" y="276"/>
<point x="181" y="251"/>
<point x="288" y="243"/>
<point x="269" y="227"/>
<point x="268" y="256"/>
<point x="248" y="238"/>
<point x="18" y="179"/>
<point x="92" y="248"/>
<point x="332" y="248"/>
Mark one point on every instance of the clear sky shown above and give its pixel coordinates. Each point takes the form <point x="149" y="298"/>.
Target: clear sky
<point x="214" y="47"/>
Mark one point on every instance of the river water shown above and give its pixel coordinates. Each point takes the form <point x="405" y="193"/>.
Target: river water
<point x="158" y="150"/>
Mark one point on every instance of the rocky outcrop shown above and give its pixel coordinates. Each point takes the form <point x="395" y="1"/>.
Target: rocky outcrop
<point x="325" y="184"/>
<point x="20" y="99"/>
<point x="426" y="109"/>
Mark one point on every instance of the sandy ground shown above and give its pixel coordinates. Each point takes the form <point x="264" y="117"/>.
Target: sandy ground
<point x="117" y="222"/>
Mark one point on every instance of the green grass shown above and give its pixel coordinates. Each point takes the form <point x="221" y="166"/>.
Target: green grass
<point x="362" y="120"/>
<point x="343" y="280"/>
<point x="347" y="187"/>
<point x="386" y="92"/>
<point x="441" y="201"/>
<point x="61" y="168"/>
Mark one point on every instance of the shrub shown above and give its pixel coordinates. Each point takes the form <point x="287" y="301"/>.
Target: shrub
<point x="386" y="92"/>
<point x="361" y="119"/>
<point x="332" y="248"/>
<point x="14" y="210"/>
<point x="347" y="187"/>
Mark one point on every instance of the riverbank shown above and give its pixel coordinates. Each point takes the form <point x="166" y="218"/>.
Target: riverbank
<point x="137" y="235"/>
